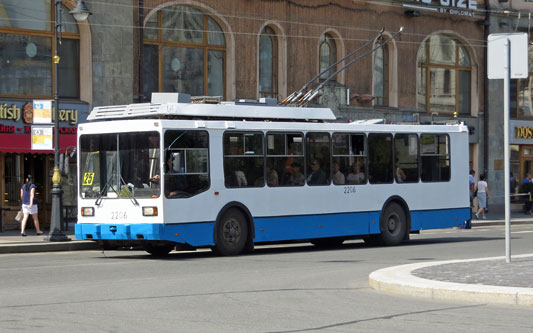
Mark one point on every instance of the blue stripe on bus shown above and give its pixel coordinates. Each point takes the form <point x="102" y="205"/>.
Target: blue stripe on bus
<point x="268" y="229"/>
<point x="438" y="219"/>
<point x="272" y="229"/>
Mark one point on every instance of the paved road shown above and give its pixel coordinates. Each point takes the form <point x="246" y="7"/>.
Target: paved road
<point x="293" y="288"/>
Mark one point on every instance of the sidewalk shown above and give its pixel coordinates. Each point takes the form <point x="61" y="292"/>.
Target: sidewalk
<point x="12" y="242"/>
<point x="486" y="280"/>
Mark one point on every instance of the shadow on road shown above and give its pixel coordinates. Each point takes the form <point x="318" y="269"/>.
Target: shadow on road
<point x="274" y="249"/>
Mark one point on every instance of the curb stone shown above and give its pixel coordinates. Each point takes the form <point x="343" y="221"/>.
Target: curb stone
<point x="399" y="280"/>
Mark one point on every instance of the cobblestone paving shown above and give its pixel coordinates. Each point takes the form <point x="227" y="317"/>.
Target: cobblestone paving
<point x="518" y="273"/>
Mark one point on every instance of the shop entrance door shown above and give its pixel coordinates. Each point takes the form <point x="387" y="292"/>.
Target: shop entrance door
<point x="526" y="161"/>
<point x="35" y="165"/>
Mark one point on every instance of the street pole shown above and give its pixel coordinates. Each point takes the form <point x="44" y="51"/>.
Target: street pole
<point x="56" y="217"/>
<point x="513" y="48"/>
<point x="80" y="13"/>
<point x="506" y="84"/>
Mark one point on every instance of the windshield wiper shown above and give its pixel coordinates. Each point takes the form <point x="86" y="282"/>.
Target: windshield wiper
<point x="104" y="191"/>
<point x="126" y="190"/>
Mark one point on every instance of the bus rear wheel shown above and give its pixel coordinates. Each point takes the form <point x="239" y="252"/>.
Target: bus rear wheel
<point x="231" y="233"/>
<point x="393" y="224"/>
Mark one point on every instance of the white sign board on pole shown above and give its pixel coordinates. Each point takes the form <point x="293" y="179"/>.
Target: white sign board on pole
<point x="42" y="111"/>
<point x="41" y="138"/>
<point x="507" y="59"/>
<point x="496" y="50"/>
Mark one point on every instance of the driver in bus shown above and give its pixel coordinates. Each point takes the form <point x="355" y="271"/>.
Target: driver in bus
<point x="175" y="183"/>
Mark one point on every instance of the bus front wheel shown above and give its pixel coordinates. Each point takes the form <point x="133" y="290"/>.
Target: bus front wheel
<point x="231" y="233"/>
<point x="393" y="224"/>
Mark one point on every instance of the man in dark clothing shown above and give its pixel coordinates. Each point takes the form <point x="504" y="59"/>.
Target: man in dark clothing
<point x="317" y="176"/>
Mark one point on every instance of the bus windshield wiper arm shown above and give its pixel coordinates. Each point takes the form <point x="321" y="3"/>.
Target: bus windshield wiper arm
<point x="103" y="191"/>
<point x="127" y="191"/>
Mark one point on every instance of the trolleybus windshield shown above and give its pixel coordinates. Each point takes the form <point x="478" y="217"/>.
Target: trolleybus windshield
<point x="123" y="165"/>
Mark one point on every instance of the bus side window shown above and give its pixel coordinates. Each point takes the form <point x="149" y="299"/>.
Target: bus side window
<point x="380" y="158"/>
<point x="435" y="157"/>
<point x="186" y="163"/>
<point x="284" y="158"/>
<point x="244" y="160"/>
<point x="349" y="157"/>
<point x="406" y="158"/>
<point x="318" y="158"/>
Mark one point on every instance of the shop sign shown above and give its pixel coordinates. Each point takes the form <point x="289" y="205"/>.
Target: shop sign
<point x="17" y="117"/>
<point x="14" y="112"/>
<point x="523" y="132"/>
<point x="452" y="7"/>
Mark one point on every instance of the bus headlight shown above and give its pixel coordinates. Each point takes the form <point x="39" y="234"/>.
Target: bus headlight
<point x="149" y="211"/>
<point x="87" y="211"/>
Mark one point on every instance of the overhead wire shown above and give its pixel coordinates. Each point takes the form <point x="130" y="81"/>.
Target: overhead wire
<point x="362" y="39"/>
<point x="347" y="27"/>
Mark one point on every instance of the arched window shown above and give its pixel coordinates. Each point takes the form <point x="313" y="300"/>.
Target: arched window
<point x="381" y="74"/>
<point x="327" y="56"/>
<point x="443" y="76"/>
<point x="184" y="51"/>
<point x="268" y="64"/>
<point x="27" y="46"/>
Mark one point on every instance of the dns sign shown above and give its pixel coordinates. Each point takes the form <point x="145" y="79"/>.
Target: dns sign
<point x="523" y="132"/>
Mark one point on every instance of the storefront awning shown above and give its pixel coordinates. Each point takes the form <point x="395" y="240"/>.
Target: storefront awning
<point x="21" y="143"/>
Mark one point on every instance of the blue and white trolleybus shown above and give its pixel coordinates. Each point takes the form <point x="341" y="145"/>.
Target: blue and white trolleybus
<point x="178" y="175"/>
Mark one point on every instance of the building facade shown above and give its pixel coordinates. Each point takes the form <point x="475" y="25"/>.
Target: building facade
<point x="434" y="71"/>
<point x="509" y="17"/>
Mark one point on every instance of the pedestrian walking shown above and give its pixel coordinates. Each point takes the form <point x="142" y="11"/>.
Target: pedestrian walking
<point x="482" y="196"/>
<point x="29" y="206"/>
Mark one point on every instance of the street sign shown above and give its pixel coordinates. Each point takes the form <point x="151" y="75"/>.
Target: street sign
<point x="41" y="138"/>
<point x="42" y="111"/>
<point x="497" y="46"/>
<point x="507" y="59"/>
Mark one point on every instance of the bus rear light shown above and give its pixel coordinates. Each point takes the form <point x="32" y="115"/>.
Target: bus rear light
<point x="149" y="211"/>
<point x="87" y="211"/>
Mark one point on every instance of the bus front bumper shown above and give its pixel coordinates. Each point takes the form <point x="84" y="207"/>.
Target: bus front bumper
<point x="194" y="234"/>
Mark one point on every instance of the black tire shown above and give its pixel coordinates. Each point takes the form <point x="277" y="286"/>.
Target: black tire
<point x="393" y="225"/>
<point x="231" y="233"/>
<point x="327" y="243"/>
<point x="158" y="250"/>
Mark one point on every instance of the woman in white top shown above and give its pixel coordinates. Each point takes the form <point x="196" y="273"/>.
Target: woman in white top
<point x="482" y="196"/>
<point x="356" y="176"/>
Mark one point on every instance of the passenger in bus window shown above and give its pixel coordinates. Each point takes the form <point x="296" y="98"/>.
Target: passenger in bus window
<point x="240" y="177"/>
<point x="156" y="179"/>
<point x="356" y="176"/>
<point x="175" y="183"/>
<point x="296" y="178"/>
<point x="271" y="176"/>
<point x="317" y="176"/>
<point x="338" y="176"/>
<point x="400" y="174"/>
